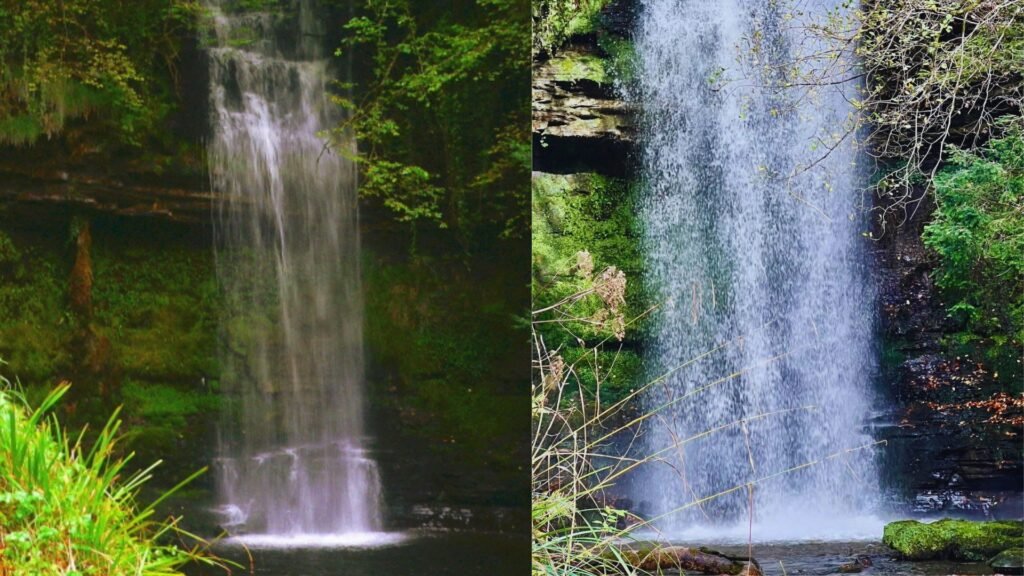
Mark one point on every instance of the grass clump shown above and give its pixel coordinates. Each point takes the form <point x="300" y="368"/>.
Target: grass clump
<point x="69" y="510"/>
<point x="575" y="530"/>
<point x="952" y="539"/>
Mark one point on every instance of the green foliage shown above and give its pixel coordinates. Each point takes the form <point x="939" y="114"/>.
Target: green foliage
<point x="584" y="212"/>
<point x="592" y="215"/>
<point x="442" y="120"/>
<point x="606" y="375"/>
<point x="164" y="422"/>
<point x="155" y="300"/>
<point x="444" y="334"/>
<point x="556" y="21"/>
<point x="936" y="72"/>
<point x="952" y="539"/>
<point x="252" y="5"/>
<point x="159" y="307"/>
<point x="166" y="406"/>
<point x="35" y="322"/>
<point x="66" y="510"/>
<point x="622" y="61"/>
<point x="65" y="60"/>
<point x="978" y="233"/>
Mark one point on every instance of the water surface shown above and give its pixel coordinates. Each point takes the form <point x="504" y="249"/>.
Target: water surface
<point x="420" y="554"/>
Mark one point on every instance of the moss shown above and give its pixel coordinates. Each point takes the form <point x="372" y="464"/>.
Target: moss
<point x="35" y="324"/>
<point x="1010" y="561"/>
<point x="572" y="213"/>
<point x="557" y="21"/>
<point x="154" y="297"/>
<point x="622" y="62"/>
<point x="158" y="305"/>
<point x="439" y="337"/>
<point x="952" y="539"/>
<point x="573" y="67"/>
<point x="167" y="405"/>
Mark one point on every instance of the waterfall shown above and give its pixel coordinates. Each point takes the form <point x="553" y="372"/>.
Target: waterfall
<point x="766" y="326"/>
<point x="293" y="455"/>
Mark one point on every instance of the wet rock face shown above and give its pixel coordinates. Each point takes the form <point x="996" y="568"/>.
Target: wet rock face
<point x="951" y="447"/>
<point x="620" y="17"/>
<point x="579" y="123"/>
<point x="101" y="194"/>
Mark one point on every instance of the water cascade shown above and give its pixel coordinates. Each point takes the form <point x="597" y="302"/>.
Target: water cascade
<point x="294" y="461"/>
<point x="754" y="236"/>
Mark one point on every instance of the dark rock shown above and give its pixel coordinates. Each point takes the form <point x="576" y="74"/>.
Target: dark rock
<point x="619" y="17"/>
<point x="579" y="124"/>
<point x="105" y="195"/>
<point x="943" y="454"/>
<point x="689" y="560"/>
<point x="1010" y="561"/>
<point x="857" y="565"/>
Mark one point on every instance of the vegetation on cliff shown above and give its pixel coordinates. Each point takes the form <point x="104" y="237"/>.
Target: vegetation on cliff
<point x="153" y="326"/>
<point x="555" y="21"/>
<point x="439" y="105"/>
<point x="573" y="531"/>
<point x="928" y="74"/>
<point x="977" y="231"/>
<point x="112" y="62"/>
<point x="583" y="223"/>
<point x="936" y="73"/>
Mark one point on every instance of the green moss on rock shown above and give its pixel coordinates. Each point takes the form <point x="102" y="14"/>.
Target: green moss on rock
<point x="437" y="333"/>
<point x="576" y="66"/>
<point x="952" y="539"/>
<point x="1009" y="561"/>
<point x="588" y="212"/>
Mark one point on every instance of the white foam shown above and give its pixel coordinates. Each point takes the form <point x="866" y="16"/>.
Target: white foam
<point x="343" y="540"/>
<point x="796" y="527"/>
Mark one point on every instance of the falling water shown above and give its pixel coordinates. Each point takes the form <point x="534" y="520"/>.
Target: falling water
<point x="293" y="453"/>
<point x="761" y="264"/>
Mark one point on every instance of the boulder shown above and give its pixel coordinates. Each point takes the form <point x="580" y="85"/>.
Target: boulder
<point x="688" y="560"/>
<point x="952" y="539"/>
<point x="1010" y="561"/>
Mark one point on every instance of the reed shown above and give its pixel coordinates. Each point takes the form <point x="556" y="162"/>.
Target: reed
<point x="67" y="509"/>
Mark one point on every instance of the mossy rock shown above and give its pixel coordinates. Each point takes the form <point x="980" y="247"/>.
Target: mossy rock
<point x="1008" y="561"/>
<point x="576" y="66"/>
<point x="952" y="539"/>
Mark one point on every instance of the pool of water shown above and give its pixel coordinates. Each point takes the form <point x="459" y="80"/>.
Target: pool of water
<point x="411" y="553"/>
<point x="826" y="558"/>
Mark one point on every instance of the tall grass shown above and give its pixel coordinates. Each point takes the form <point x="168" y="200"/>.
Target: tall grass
<point x="71" y="510"/>
<point x="573" y="532"/>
